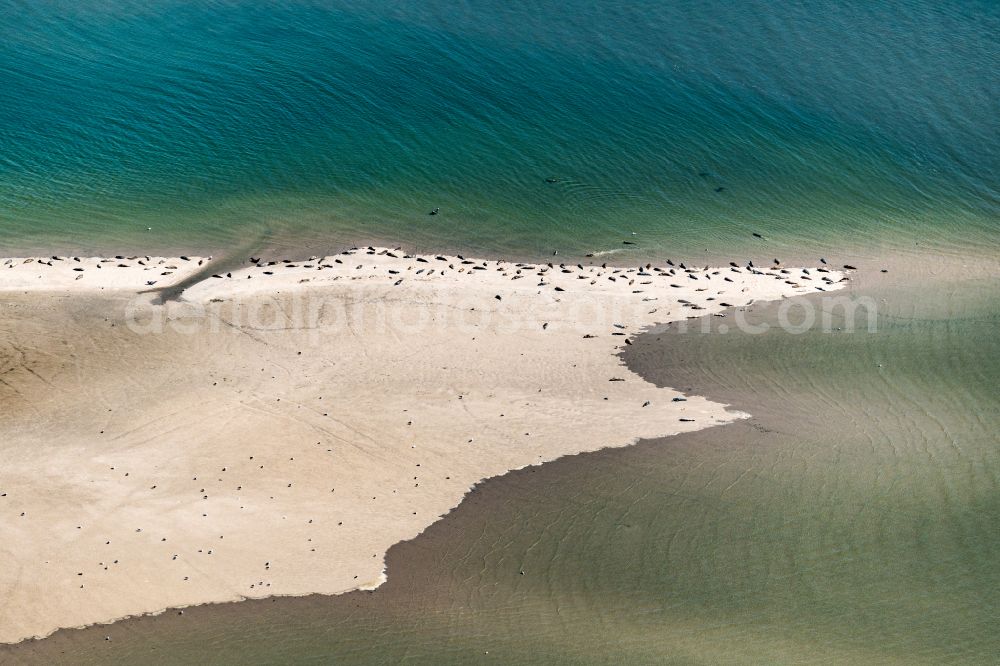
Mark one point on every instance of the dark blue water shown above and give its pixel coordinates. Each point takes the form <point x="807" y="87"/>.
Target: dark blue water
<point x="304" y="123"/>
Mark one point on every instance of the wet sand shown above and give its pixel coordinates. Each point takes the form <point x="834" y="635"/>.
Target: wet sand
<point x="815" y="531"/>
<point x="278" y="427"/>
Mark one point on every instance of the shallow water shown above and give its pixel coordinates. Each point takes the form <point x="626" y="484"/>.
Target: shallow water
<point x="853" y="518"/>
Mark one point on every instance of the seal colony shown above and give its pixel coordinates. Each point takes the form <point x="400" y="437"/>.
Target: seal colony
<point x="279" y="426"/>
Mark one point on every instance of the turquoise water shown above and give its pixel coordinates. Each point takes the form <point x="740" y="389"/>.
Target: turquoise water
<point x="319" y="123"/>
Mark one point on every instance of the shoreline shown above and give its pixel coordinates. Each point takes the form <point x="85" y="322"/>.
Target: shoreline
<point x="560" y="321"/>
<point x="760" y="250"/>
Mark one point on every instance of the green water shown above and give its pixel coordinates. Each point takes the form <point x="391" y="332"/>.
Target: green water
<point x="853" y="519"/>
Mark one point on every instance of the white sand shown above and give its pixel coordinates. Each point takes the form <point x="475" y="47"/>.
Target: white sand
<point x="276" y="434"/>
<point x="74" y="274"/>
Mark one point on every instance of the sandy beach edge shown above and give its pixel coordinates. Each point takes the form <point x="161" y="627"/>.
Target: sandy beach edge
<point x="378" y="270"/>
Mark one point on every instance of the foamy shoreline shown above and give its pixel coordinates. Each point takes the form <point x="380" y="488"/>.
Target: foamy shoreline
<point x="277" y="429"/>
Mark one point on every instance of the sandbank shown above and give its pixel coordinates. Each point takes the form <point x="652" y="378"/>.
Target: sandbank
<point x="275" y="429"/>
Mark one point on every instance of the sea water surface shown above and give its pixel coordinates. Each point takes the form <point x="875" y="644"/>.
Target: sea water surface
<point x="139" y="125"/>
<point x="855" y="518"/>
